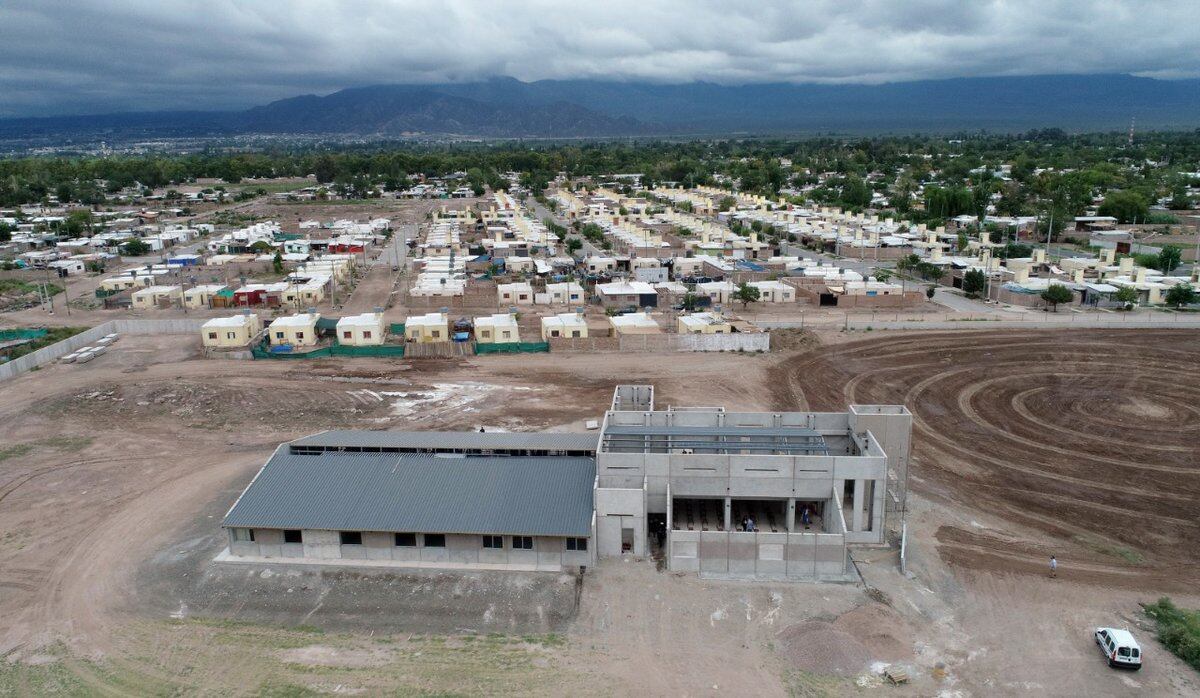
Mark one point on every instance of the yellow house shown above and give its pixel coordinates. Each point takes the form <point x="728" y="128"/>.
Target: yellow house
<point x="633" y="323"/>
<point x="702" y="323"/>
<point x="570" y="325"/>
<point x="157" y="296"/>
<point x="497" y="329"/>
<point x="422" y="329"/>
<point x="295" y="330"/>
<point x="201" y="296"/>
<point x="361" y="330"/>
<point x="230" y="332"/>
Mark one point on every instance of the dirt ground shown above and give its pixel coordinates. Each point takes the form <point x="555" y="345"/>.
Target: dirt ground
<point x="114" y="476"/>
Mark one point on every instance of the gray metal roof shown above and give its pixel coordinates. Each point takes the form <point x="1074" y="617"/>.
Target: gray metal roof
<point x="450" y="440"/>
<point x="640" y="430"/>
<point x="548" y="495"/>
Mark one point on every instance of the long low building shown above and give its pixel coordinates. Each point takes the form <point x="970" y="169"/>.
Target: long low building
<point x="773" y="495"/>
<point x="372" y="505"/>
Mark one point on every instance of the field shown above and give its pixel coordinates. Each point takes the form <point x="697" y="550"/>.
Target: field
<point x="114" y="476"/>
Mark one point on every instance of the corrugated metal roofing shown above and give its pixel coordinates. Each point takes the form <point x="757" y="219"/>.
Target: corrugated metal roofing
<point x="534" y="441"/>
<point x="546" y="496"/>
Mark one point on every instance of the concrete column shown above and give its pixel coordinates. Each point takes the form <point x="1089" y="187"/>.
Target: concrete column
<point x="859" y="493"/>
<point x="791" y="516"/>
<point x="728" y="514"/>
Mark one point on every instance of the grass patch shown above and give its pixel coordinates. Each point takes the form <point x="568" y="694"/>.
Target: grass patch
<point x="1178" y="630"/>
<point x="52" y="336"/>
<point x="1104" y="547"/>
<point x="22" y="286"/>
<point x="66" y="444"/>
<point x="15" y="451"/>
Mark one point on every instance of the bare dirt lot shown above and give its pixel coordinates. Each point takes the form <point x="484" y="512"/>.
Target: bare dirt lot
<point x="114" y="476"/>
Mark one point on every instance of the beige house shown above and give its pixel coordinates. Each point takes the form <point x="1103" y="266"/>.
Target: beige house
<point x="518" y="293"/>
<point x="295" y="330"/>
<point x="569" y="325"/>
<point x="230" y="332"/>
<point x="774" y="291"/>
<point x="361" y="330"/>
<point x="566" y="293"/>
<point x="702" y="323"/>
<point x="157" y="297"/>
<point x="201" y="296"/>
<point x="720" y="292"/>
<point x="497" y="329"/>
<point x="423" y="329"/>
<point x="633" y="323"/>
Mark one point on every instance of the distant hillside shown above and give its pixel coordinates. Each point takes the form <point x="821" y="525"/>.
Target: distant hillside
<point x="507" y="108"/>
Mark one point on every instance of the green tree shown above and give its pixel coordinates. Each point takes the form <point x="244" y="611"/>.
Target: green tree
<point x="574" y="245"/>
<point x="277" y="262"/>
<point x="974" y="283"/>
<point x="325" y="169"/>
<point x="1126" y="206"/>
<point x="690" y="302"/>
<point x="747" y="294"/>
<point x="855" y="193"/>
<point x="135" y="248"/>
<point x="1169" y="258"/>
<point x="1180" y="295"/>
<point x="1057" y="293"/>
<point x="1126" y="295"/>
<point x="78" y="223"/>
<point x="962" y="240"/>
<point x="882" y="275"/>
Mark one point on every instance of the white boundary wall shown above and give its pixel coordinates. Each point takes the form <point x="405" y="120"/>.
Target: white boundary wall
<point x="756" y="341"/>
<point x="45" y="355"/>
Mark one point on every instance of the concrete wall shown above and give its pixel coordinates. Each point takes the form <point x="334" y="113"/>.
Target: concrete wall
<point x="125" y="326"/>
<point x="618" y="509"/>
<point x="755" y="341"/>
<point x="461" y="551"/>
<point x="738" y="554"/>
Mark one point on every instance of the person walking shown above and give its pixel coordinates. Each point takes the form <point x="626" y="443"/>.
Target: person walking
<point x="1053" y="567"/>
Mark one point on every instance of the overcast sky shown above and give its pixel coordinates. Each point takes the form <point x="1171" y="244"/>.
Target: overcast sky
<point x="88" y="56"/>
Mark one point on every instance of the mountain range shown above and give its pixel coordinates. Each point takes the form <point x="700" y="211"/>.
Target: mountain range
<point x="509" y="108"/>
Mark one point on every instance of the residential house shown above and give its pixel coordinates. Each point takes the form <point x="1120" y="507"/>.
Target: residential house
<point x="230" y="332"/>
<point x="500" y="328"/>
<point x="366" y="329"/>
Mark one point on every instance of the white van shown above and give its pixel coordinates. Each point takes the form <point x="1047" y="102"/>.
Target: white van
<point x="1119" y="648"/>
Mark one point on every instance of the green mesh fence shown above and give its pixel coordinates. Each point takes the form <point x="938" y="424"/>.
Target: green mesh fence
<point x="512" y="348"/>
<point x="383" y="350"/>
<point x="22" y="333"/>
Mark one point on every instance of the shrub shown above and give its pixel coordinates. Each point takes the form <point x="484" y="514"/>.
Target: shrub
<point x="1178" y="630"/>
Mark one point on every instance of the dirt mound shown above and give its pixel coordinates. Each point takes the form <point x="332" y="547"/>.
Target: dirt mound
<point x="821" y="648"/>
<point x="880" y="629"/>
<point x="793" y="340"/>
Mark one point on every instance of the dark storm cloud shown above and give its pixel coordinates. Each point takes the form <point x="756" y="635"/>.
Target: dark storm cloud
<point x="88" y="55"/>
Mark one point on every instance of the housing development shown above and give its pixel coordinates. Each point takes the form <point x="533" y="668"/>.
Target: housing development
<point x="375" y="349"/>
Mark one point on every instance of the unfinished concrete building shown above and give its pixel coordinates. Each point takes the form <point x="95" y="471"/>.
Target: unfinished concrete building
<point x="770" y="495"/>
<point x="773" y="495"/>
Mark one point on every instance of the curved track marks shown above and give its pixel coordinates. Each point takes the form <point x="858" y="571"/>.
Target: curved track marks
<point x="1092" y="436"/>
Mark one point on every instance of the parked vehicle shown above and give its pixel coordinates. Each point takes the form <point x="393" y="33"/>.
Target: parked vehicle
<point x="1119" y="648"/>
